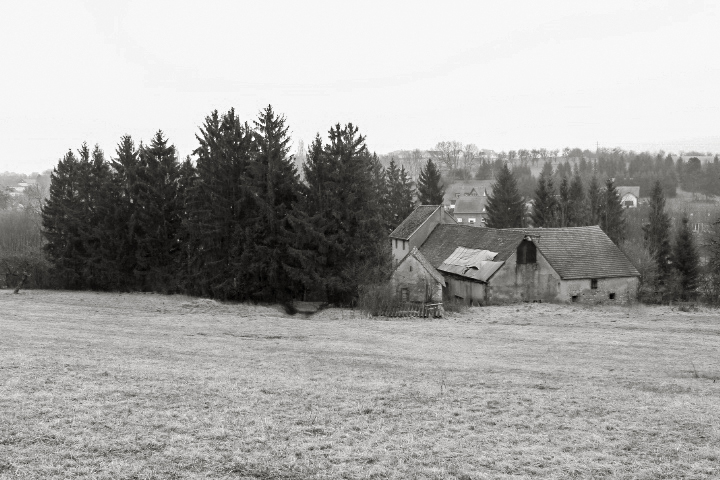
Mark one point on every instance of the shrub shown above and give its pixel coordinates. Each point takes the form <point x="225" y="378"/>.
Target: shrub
<point x="378" y="299"/>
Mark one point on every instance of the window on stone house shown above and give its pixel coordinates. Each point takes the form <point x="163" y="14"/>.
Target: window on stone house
<point x="404" y="294"/>
<point x="403" y="244"/>
<point x="471" y="220"/>
<point x="459" y="219"/>
<point x="593" y="283"/>
<point x="526" y="253"/>
<point x="611" y="296"/>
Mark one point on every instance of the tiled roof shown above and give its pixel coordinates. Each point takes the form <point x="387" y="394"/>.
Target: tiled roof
<point x="424" y="262"/>
<point x="464" y="187"/>
<point x="623" y="190"/>
<point x="413" y="221"/>
<point x="574" y="253"/>
<point x="581" y="252"/>
<point x="465" y="205"/>
<point x="443" y="241"/>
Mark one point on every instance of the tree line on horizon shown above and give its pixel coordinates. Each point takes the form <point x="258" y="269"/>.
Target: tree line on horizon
<point x="236" y="224"/>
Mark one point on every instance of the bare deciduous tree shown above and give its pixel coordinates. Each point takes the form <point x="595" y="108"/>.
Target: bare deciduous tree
<point x="448" y="153"/>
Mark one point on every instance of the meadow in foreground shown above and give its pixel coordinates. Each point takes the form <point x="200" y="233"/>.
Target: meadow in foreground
<point x="148" y="386"/>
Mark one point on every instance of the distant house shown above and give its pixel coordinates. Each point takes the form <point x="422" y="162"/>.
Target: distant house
<point x="466" y="188"/>
<point x="20" y="188"/>
<point x="471" y="211"/>
<point x="629" y="196"/>
<point x="492" y="266"/>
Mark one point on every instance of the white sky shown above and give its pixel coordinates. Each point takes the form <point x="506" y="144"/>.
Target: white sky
<point x="502" y="75"/>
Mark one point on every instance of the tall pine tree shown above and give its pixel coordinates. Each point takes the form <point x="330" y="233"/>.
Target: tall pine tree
<point x="158" y="216"/>
<point x="62" y="221"/>
<point x="686" y="261"/>
<point x="430" y="188"/>
<point x="505" y="207"/>
<point x="612" y="216"/>
<point x="544" y="213"/>
<point x="221" y="210"/>
<point x="657" y="236"/>
<point x="276" y="186"/>
<point x="577" y="207"/>
<point x="400" y="193"/>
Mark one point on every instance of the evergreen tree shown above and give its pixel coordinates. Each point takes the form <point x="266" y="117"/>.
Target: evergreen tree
<point x="657" y="236"/>
<point x="505" y="207"/>
<point x="62" y="223"/>
<point x="430" y="188"/>
<point x="220" y="209"/>
<point x="400" y="193"/>
<point x="563" y="202"/>
<point x="121" y="240"/>
<point x="594" y="200"/>
<point x="612" y="218"/>
<point x="686" y="260"/>
<point x="712" y="243"/>
<point x="158" y="216"/>
<point x="276" y="189"/>
<point x="545" y="205"/>
<point x="342" y="221"/>
<point x="100" y="204"/>
<point x="577" y="206"/>
<point x="547" y="170"/>
<point x="315" y="223"/>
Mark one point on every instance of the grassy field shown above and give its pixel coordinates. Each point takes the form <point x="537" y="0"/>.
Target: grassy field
<point x="147" y="386"/>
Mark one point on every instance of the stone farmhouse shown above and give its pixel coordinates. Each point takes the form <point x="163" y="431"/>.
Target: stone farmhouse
<point x="438" y="259"/>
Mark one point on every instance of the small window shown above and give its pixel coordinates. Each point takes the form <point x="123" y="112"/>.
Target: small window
<point x="404" y="294"/>
<point x="403" y="244"/>
<point x="459" y="220"/>
<point x="574" y="298"/>
<point x="411" y="268"/>
<point x="396" y="243"/>
<point x="612" y="296"/>
<point x="629" y="203"/>
<point x="471" y="220"/>
<point x="593" y="284"/>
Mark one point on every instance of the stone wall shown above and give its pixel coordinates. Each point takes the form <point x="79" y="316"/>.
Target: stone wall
<point x="421" y="286"/>
<point x="608" y="291"/>
<point x="531" y="282"/>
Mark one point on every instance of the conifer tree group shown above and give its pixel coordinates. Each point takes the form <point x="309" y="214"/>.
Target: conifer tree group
<point x="575" y="206"/>
<point x="235" y="224"/>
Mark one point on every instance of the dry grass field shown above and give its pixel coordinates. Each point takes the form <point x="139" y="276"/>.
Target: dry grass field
<point x="133" y="386"/>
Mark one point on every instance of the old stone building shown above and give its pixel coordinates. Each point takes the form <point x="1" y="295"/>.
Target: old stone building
<point x="416" y="280"/>
<point x="491" y="266"/>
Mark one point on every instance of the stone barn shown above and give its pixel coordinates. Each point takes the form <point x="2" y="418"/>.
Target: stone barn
<point x="491" y="266"/>
<point x="416" y="280"/>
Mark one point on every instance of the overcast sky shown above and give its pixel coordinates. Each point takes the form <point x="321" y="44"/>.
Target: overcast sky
<point x="502" y="75"/>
